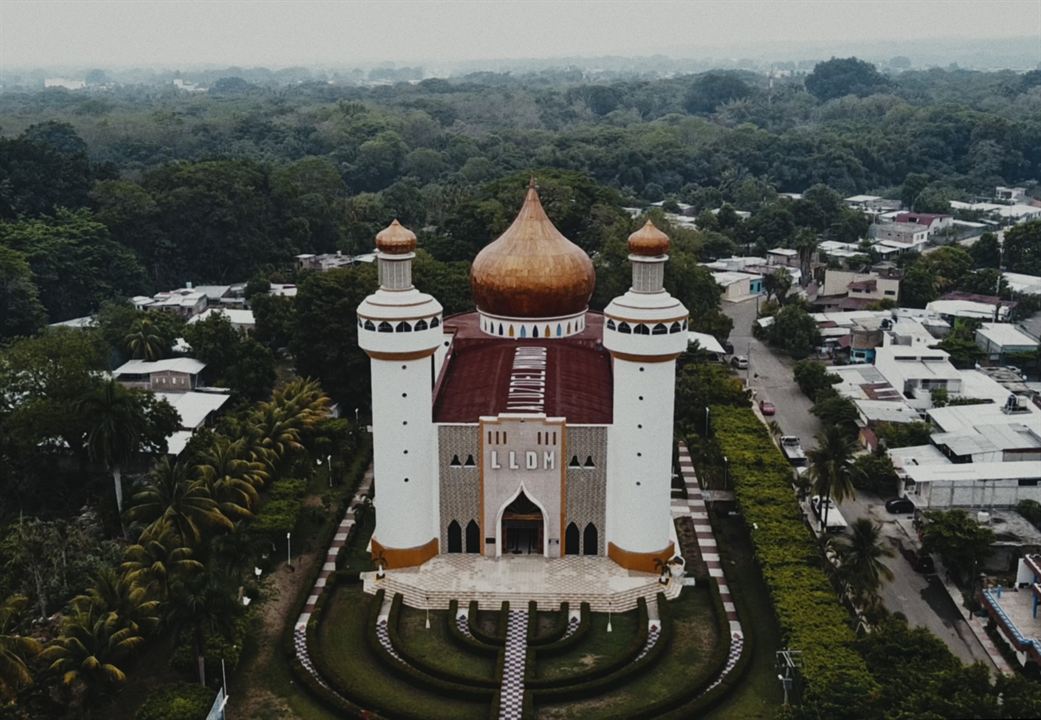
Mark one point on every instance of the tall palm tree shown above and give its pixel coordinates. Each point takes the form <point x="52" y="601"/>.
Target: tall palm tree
<point x="806" y="244"/>
<point x="113" y="592"/>
<point x="861" y="555"/>
<point x="154" y="564"/>
<point x="115" y="418"/>
<point x="203" y="604"/>
<point x="86" y="654"/>
<point x="143" y="342"/>
<point x="831" y="469"/>
<point x="15" y="650"/>
<point x="171" y="502"/>
<point x="231" y="479"/>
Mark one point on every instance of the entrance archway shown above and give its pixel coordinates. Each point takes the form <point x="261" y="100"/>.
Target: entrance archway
<point x="522" y="528"/>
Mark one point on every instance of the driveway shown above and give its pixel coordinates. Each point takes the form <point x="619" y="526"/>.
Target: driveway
<point x="922" y="599"/>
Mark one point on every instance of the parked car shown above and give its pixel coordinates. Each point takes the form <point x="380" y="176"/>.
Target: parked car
<point x="1016" y="370"/>
<point x="920" y="561"/>
<point x="728" y="347"/>
<point x="900" y="506"/>
<point x="767" y="408"/>
<point x="740" y="362"/>
<point x="792" y="449"/>
<point x="836" y="523"/>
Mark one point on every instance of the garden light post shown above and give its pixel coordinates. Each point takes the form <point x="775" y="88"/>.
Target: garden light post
<point x="289" y="549"/>
<point x="427" y="603"/>
<point x="610" y="607"/>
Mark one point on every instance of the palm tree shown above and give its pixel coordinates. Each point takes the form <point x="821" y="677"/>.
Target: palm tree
<point x="115" y="593"/>
<point x="115" y="420"/>
<point x="204" y="603"/>
<point x="170" y="502"/>
<point x="154" y="564"/>
<point x="831" y="469"/>
<point x="861" y="555"/>
<point x="806" y="243"/>
<point x="230" y="479"/>
<point x="15" y="650"/>
<point x="86" y="653"/>
<point x="143" y="341"/>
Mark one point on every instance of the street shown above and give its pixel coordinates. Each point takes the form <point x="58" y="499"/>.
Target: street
<point x="921" y="599"/>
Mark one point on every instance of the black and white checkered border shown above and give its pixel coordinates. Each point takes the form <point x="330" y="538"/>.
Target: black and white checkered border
<point x="736" y="646"/>
<point x="572" y="627"/>
<point x="511" y="693"/>
<point x="383" y="635"/>
<point x="653" y="633"/>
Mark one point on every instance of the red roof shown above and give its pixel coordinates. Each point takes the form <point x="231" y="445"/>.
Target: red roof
<point x="476" y="377"/>
<point x="919" y="218"/>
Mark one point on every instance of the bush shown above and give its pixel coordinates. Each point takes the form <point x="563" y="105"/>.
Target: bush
<point x="177" y="702"/>
<point x="216" y="646"/>
<point x="837" y="680"/>
<point x="813" y="378"/>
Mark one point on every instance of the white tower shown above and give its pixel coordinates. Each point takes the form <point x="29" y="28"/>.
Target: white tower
<point x="644" y="330"/>
<point x="400" y="329"/>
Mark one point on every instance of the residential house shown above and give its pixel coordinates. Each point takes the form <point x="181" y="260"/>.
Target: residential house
<point x="1023" y="284"/>
<point x="1010" y="195"/>
<point x="866" y="287"/>
<point x="241" y="320"/>
<point x="785" y="257"/>
<point x="738" y="286"/>
<point x="905" y="236"/>
<point x="999" y="340"/>
<point x="933" y="222"/>
<point x="970" y="306"/>
<point x="179" y="374"/>
<point x="917" y="371"/>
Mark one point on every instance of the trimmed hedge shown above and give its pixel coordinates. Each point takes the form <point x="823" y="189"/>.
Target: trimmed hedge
<point x="421" y="664"/>
<point x="555" y="634"/>
<point x="462" y="639"/>
<point x="182" y="701"/>
<point x="563" y="644"/>
<point x="837" y="679"/>
<point x="499" y="637"/>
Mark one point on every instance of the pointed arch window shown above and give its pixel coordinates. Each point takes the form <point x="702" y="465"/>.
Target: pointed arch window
<point x="674" y="328"/>
<point x="523" y="331"/>
<point x="434" y="322"/>
<point x="469" y="461"/>
<point x="571" y="540"/>
<point x="369" y="325"/>
<point x="403" y="327"/>
<point x="548" y="333"/>
<point x="473" y="537"/>
<point x="455" y="462"/>
<point x="511" y="331"/>
<point x="589" y="462"/>
<point x="455" y="537"/>
<point x="659" y="329"/>
<point x="560" y="330"/>
<point x="610" y="324"/>
<point x="641" y="329"/>
<point x="421" y="325"/>
<point x="574" y="462"/>
<point x="623" y="327"/>
<point x="384" y="327"/>
<point x="500" y="328"/>
<point x="534" y="331"/>
<point x="590" y="540"/>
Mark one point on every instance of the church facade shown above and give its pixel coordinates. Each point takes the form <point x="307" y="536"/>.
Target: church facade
<point x="531" y="425"/>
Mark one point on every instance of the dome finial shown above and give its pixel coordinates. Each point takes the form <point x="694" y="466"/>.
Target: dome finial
<point x="648" y="241"/>
<point x="395" y="239"/>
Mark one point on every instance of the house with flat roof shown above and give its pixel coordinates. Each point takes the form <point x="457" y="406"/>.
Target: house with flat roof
<point x="865" y="288"/>
<point x="951" y="307"/>
<point x="933" y="222"/>
<point x="241" y="320"/>
<point x="1022" y="283"/>
<point x="917" y="371"/>
<point x="785" y="257"/>
<point x="906" y="235"/>
<point x="738" y="286"/>
<point x="973" y="485"/>
<point x="1014" y="610"/>
<point x="999" y="340"/>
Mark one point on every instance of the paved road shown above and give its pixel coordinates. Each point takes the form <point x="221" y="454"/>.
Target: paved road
<point x="921" y="599"/>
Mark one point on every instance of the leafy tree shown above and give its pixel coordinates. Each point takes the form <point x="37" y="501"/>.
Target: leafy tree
<point x="897" y="435"/>
<point x="874" y="472"/>
<point x="21" y="312"/>
<point x="912" y="187"/>
<point x="76" y="264"/>
<point x="44" y="168"/>
<point x="204" y="603"/>
<point x="861" y="555"/>
<point x="844" y="76"/>
<point x="831" y="468"/>
<point x="1023" y="248"/>
<point x="16" y="650"/>
<point x="275" y="317"/>
<point x="713" y="89"/>
<point x="960" y="541"/>
<point x="948" y="266"/>
<point x="837" y="411"/>
<point x="232" y="358"/>
<point x="794" y="331"/>
<point x="814" y="379"/>
<point x="700" y="385"/>
<point x="777" y="284"/>
<point x="961" y="344"/>
<point x="918" y="286"/>
<point x="806" y="243"/>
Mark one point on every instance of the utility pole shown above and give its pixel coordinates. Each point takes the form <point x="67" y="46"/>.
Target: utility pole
<point x="997" y="285"/>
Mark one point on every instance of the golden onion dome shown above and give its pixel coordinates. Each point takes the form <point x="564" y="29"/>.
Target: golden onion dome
<point x="532" y="270"/>
<point x="395" y="239"/>
<point x="649" y="241"/>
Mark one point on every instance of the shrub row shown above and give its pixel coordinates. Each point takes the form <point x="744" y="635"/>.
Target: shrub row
<point x="467" y="642"/>
<point x="499" y="636"/>
<point x="411" y="675"/>
<point x="813" y="621"/>
<point x="419" y="663"/>
<point x="623" y="670"/>
<point x="555" y="634"/>
<point x="182" y="701"/>
<point x="563" y="644"/>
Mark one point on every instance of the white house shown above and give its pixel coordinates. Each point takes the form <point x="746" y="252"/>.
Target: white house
<point x="974" y="485"/>
<point x="998" y="340"/>
<point x="916" y="371"/>
<point x="738" y="286"/>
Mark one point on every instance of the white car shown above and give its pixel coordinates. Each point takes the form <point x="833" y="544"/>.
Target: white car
<point x="836" y="523"/>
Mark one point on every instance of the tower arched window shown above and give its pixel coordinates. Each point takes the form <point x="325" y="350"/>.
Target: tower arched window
<point x="590" y="540"/>
<point x="369" y="325"/>
<point x="421" y="325"/>
<point x="560" y="330"/>
<point x="610" y="324"/>
<point x="384" y="327"/>
<point x="623" y="327"/>
<point x="434" y="322"/>
<point x="455" y="462"/>
<point x="534" y="331"/>
<point x="469" y="461"/>
<point x="523" y="331"/>
<point x="641" y="329"/>
<point x="403" y="327"/>
<point x="473" y="537"/>
<point x="674" y="328"/>
<point x="500" y="328"/>
<point x="571" y="538"/>
<point x="574" y="462"/>
<point x="659" y="329"/>
<point x="589" y="462"/>
<point x="455" y="537"/>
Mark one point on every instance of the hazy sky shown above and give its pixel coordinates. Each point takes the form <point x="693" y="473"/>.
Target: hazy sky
<point x="304" y="32"/>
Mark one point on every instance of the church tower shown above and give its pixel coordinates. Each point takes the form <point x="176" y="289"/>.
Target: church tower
<point x="400" y="329"/>
<point x="645" y="330"/>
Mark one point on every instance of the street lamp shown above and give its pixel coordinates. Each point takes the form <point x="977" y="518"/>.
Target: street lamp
<point x="289" y="549"/>
<point x="610" y="607"/>
<point x="426" y="599"/>
<point x="706" y="420"/>
<point x="726" y="472"/>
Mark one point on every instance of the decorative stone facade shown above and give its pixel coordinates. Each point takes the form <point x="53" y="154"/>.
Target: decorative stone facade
<point x="587" y="481"/>
<point x="459" y="457"/>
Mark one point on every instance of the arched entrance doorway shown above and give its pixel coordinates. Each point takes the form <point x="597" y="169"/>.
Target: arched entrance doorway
<point x="522" y="527"/>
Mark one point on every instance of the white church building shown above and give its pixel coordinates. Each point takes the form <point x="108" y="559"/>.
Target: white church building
<point x="532" y="426"/>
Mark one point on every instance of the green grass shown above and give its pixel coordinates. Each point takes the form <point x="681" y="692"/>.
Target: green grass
<point x="436" y="647"/>
<point x="694" y="636"/>
<point x="599" y="646"/>
<point x="343" y="645"/>
<point x="759" y="694"/>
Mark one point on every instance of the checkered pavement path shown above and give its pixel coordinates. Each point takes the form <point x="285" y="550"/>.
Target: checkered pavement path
<point x="511" y="693"/>
<point x="572" y="626"/>
<point x="463" y="623"/>
<point x="653" y="633"/>
<point x="383" y="635"/>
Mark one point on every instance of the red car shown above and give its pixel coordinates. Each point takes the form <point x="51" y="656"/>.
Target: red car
<point x="766" y="408"/>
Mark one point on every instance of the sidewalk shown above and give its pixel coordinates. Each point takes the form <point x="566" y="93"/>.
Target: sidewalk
<point x="976" y="624"/>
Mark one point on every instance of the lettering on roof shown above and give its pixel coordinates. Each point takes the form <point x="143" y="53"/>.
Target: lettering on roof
<point x="527" y="390"/>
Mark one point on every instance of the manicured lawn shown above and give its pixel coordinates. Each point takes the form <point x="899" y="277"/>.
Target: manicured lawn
<point x="597" y="647"/>
<point x="343" y="646"/>
<point x="436" y="647"/>
<point x="759" y="694"/>
<point x="694" y="636"/>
